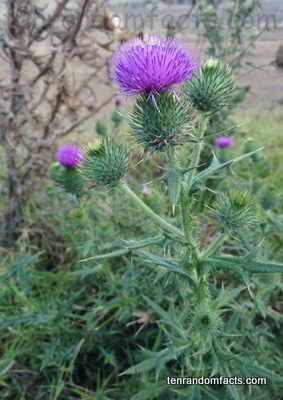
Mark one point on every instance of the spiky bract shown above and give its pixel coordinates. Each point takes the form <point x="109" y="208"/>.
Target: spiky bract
<point x="206" y="322"/>
<point x="235" y="210"/>
<point x="210" y="87"/>
<point x="68" y="178"/>
<point x="158" y="129"/>
<point x="105" y="162"/>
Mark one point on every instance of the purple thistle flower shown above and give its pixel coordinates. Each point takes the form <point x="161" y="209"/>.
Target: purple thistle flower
<point x="153" y="65"/>
<point x="223" y="141"/>
<point x="69" y="155"/>
<point x="118" y="101"/>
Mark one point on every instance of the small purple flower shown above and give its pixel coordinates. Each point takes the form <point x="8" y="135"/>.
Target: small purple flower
<point x="118" y="101"/>
<point x="153" y="65"/>
<point x="144" y="188"/>
<point x="69" y="155"/>
<point x="223" y="141"/>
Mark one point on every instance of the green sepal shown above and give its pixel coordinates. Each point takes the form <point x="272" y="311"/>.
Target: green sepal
<point x="69" y="178"/>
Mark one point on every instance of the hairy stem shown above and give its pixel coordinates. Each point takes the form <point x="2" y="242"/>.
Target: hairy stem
<point x="217" y="243"/>
<point x="196" y="150"/>
<point x="158" y="220"/>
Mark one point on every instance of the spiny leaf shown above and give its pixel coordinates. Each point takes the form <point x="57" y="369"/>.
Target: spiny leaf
<point x="170" y="265"/>
<point x="247" y="264"/>
<point x="170" y="319"/>
<point x="144" y="242"/>
<point x="112" y="254"/>
<point x="216" y="166"/>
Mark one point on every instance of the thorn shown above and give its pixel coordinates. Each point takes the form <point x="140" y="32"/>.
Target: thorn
<point x="249" y="290"/>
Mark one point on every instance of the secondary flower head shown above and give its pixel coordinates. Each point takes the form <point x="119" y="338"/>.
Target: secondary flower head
<point x="211" y="87"/>
<point x="105" y="162"/>
<point x="234" y="210"/>
<point x="118" y="101"/>
<point x="153" y="65"/>
<point x="69" y="155"/>
<point x="223" y="141"/>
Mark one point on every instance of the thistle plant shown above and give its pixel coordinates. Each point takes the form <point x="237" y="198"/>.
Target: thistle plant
<point x="65" y="171"/>
<point x="171" y="120"/>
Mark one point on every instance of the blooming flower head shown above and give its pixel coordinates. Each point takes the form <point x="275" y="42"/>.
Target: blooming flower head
<point x="223" y="141"/>
<point x="69" y="155"/>
<point x="153" y="65"/>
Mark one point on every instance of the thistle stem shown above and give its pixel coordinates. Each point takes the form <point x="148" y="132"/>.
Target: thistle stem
<point x="158" y="220"/>
<point x="217" y="243"/>
<point x="196" y="150"/>
<point x="186" y="218"/>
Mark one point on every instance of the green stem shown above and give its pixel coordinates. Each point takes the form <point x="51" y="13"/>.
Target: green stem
<point x="217" y="242"/>
<point x="186" y="217"/>
<point x="158" y="220"/>
<point x="196" y="150"/>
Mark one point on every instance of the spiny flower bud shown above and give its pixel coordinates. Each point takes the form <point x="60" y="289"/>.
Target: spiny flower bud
<point x="210" y="87"/>
<point x="101" y="127"/>
<point x="116" y="117"/>
<point x="206" y="322"/>
<point x="68" y="178"/>
<point x="235" y="210"/>
<point x="268" y="199"/>
<point x="156" y="129"/>
<point x="105" y="162"/>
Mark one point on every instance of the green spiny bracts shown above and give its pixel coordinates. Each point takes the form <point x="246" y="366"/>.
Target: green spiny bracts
<point x="211" y="87"/>
<point x="105" y="162"/>
<point x="206" y="322"/>
<point x="161" y="125"/>
<point x="235" y="210"/>
<point x="268" y="199"/>
<point x="69" y="178"/>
